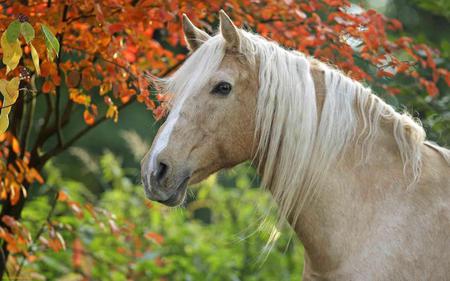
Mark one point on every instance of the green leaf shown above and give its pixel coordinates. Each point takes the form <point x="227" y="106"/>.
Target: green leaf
<point x="51" y="42"/>
<point x="27" y="31"/>
<point x="12" y="32"/>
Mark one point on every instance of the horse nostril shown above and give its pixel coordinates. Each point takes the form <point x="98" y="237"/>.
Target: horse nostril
<point x="161" y="171"/>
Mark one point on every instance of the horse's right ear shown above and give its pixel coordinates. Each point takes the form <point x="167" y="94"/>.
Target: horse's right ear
<point x="229" y="31"/>
<point x="194" y="36"/>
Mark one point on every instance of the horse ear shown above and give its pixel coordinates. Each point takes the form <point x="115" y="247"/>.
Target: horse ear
<point x="194" y="36"/>
<point x="229" y="31"/>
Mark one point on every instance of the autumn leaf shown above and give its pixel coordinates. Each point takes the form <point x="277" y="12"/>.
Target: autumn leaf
<point x="56" y="243"/>
<point x="51" y="42"/>
<point x="62" y="196"/>
<point x="76" y="96"/>
<point x="12" y="52"/>
<point x="35" y="57"/>
<point x="88" y="118"/>
<point x="47" y="87"/>
<point x="113" y="113"/>
<point x="10" y="92"/>
<point x="27" y="31"/>
<point x="155" y="237"/>
<point x="15" y="193"/>
<point x="77" y="253"/>
<point x="15" y="146"/>
<point x="35" y="175"/>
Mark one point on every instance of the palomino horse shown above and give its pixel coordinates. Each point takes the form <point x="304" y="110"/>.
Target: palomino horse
<point x="366" y="194"/>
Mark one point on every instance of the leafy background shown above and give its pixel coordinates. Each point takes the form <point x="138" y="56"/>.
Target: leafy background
<point x="90" y="220"/>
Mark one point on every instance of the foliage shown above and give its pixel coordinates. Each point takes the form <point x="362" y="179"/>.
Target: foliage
<point x="86" y="60"/>
<point x="208" y="239"/>
<point x="420" y="20"/>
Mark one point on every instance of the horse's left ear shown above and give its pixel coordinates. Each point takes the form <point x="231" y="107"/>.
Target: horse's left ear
<point x="229" y="31"/>
<point x="194" y="36"/>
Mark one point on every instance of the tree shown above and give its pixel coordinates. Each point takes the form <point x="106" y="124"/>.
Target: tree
<point x="89" y="59"/>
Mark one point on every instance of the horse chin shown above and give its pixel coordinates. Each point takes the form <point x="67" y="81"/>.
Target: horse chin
<point x="178" y="197"/>
<point x="200" y="175"/>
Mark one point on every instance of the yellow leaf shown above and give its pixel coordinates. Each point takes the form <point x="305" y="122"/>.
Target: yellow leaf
<point x="4" y="121"/>
<point x="113" y="113"/>
<point x="12" y="52"/>
<point x="10" y="92"/>
<point x="35" y="57"/>
<point x="12" y="89"/>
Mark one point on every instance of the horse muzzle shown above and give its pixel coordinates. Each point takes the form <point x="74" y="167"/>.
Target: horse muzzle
<point x="165" y="185"/>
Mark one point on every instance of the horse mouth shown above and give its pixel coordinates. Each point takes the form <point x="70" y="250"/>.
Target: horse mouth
<point x="178" y="196"/>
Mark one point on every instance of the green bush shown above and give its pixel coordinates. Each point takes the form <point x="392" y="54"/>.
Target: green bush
<point x="217" y="235"/>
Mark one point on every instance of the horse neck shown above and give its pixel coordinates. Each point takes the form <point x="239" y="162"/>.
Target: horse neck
<point x="332" y="224"/>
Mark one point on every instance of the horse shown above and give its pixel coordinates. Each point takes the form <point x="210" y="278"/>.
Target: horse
<point x="364" y="191"/>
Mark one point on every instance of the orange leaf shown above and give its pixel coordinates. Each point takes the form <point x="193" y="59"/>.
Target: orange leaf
<point x="15" y="191"/>
<point x="77" y="252"/>
<point x="88" y="118"/>
<point x="384" y="73"/>
<point x="155" y="237"/>
<point x="47" y="87"/>
<point x="35" y="174"/>
<point x="15" y="146"/>
<point x="62" y="196"/>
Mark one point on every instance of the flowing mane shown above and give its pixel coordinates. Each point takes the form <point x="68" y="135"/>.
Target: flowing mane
<point x="298" y="140"/>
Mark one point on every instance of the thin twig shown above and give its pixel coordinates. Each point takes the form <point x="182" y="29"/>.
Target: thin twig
<point x="26" y="101"/>
<point x="98" y="55"/>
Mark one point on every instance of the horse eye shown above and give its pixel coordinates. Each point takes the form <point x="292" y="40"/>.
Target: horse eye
<point x="222" y="88"/>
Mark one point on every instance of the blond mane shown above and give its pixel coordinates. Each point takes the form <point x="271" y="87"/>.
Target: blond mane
<point x="297" y="145"/>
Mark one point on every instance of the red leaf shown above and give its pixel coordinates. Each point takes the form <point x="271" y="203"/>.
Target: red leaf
<point x="155" y="237"/>
<point x="88" y="117"/>
<point x="116" y="27"/>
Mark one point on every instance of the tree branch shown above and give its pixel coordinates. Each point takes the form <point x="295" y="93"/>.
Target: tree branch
<point x="44" y="132"/>
<point x="28" y="124"/>
<point x="58" y="87"/>
<point x="4" y="259"/>
<point x="98" y="55"/>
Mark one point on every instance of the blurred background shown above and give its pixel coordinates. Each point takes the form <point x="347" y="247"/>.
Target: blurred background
<point x="109" y="231"/>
